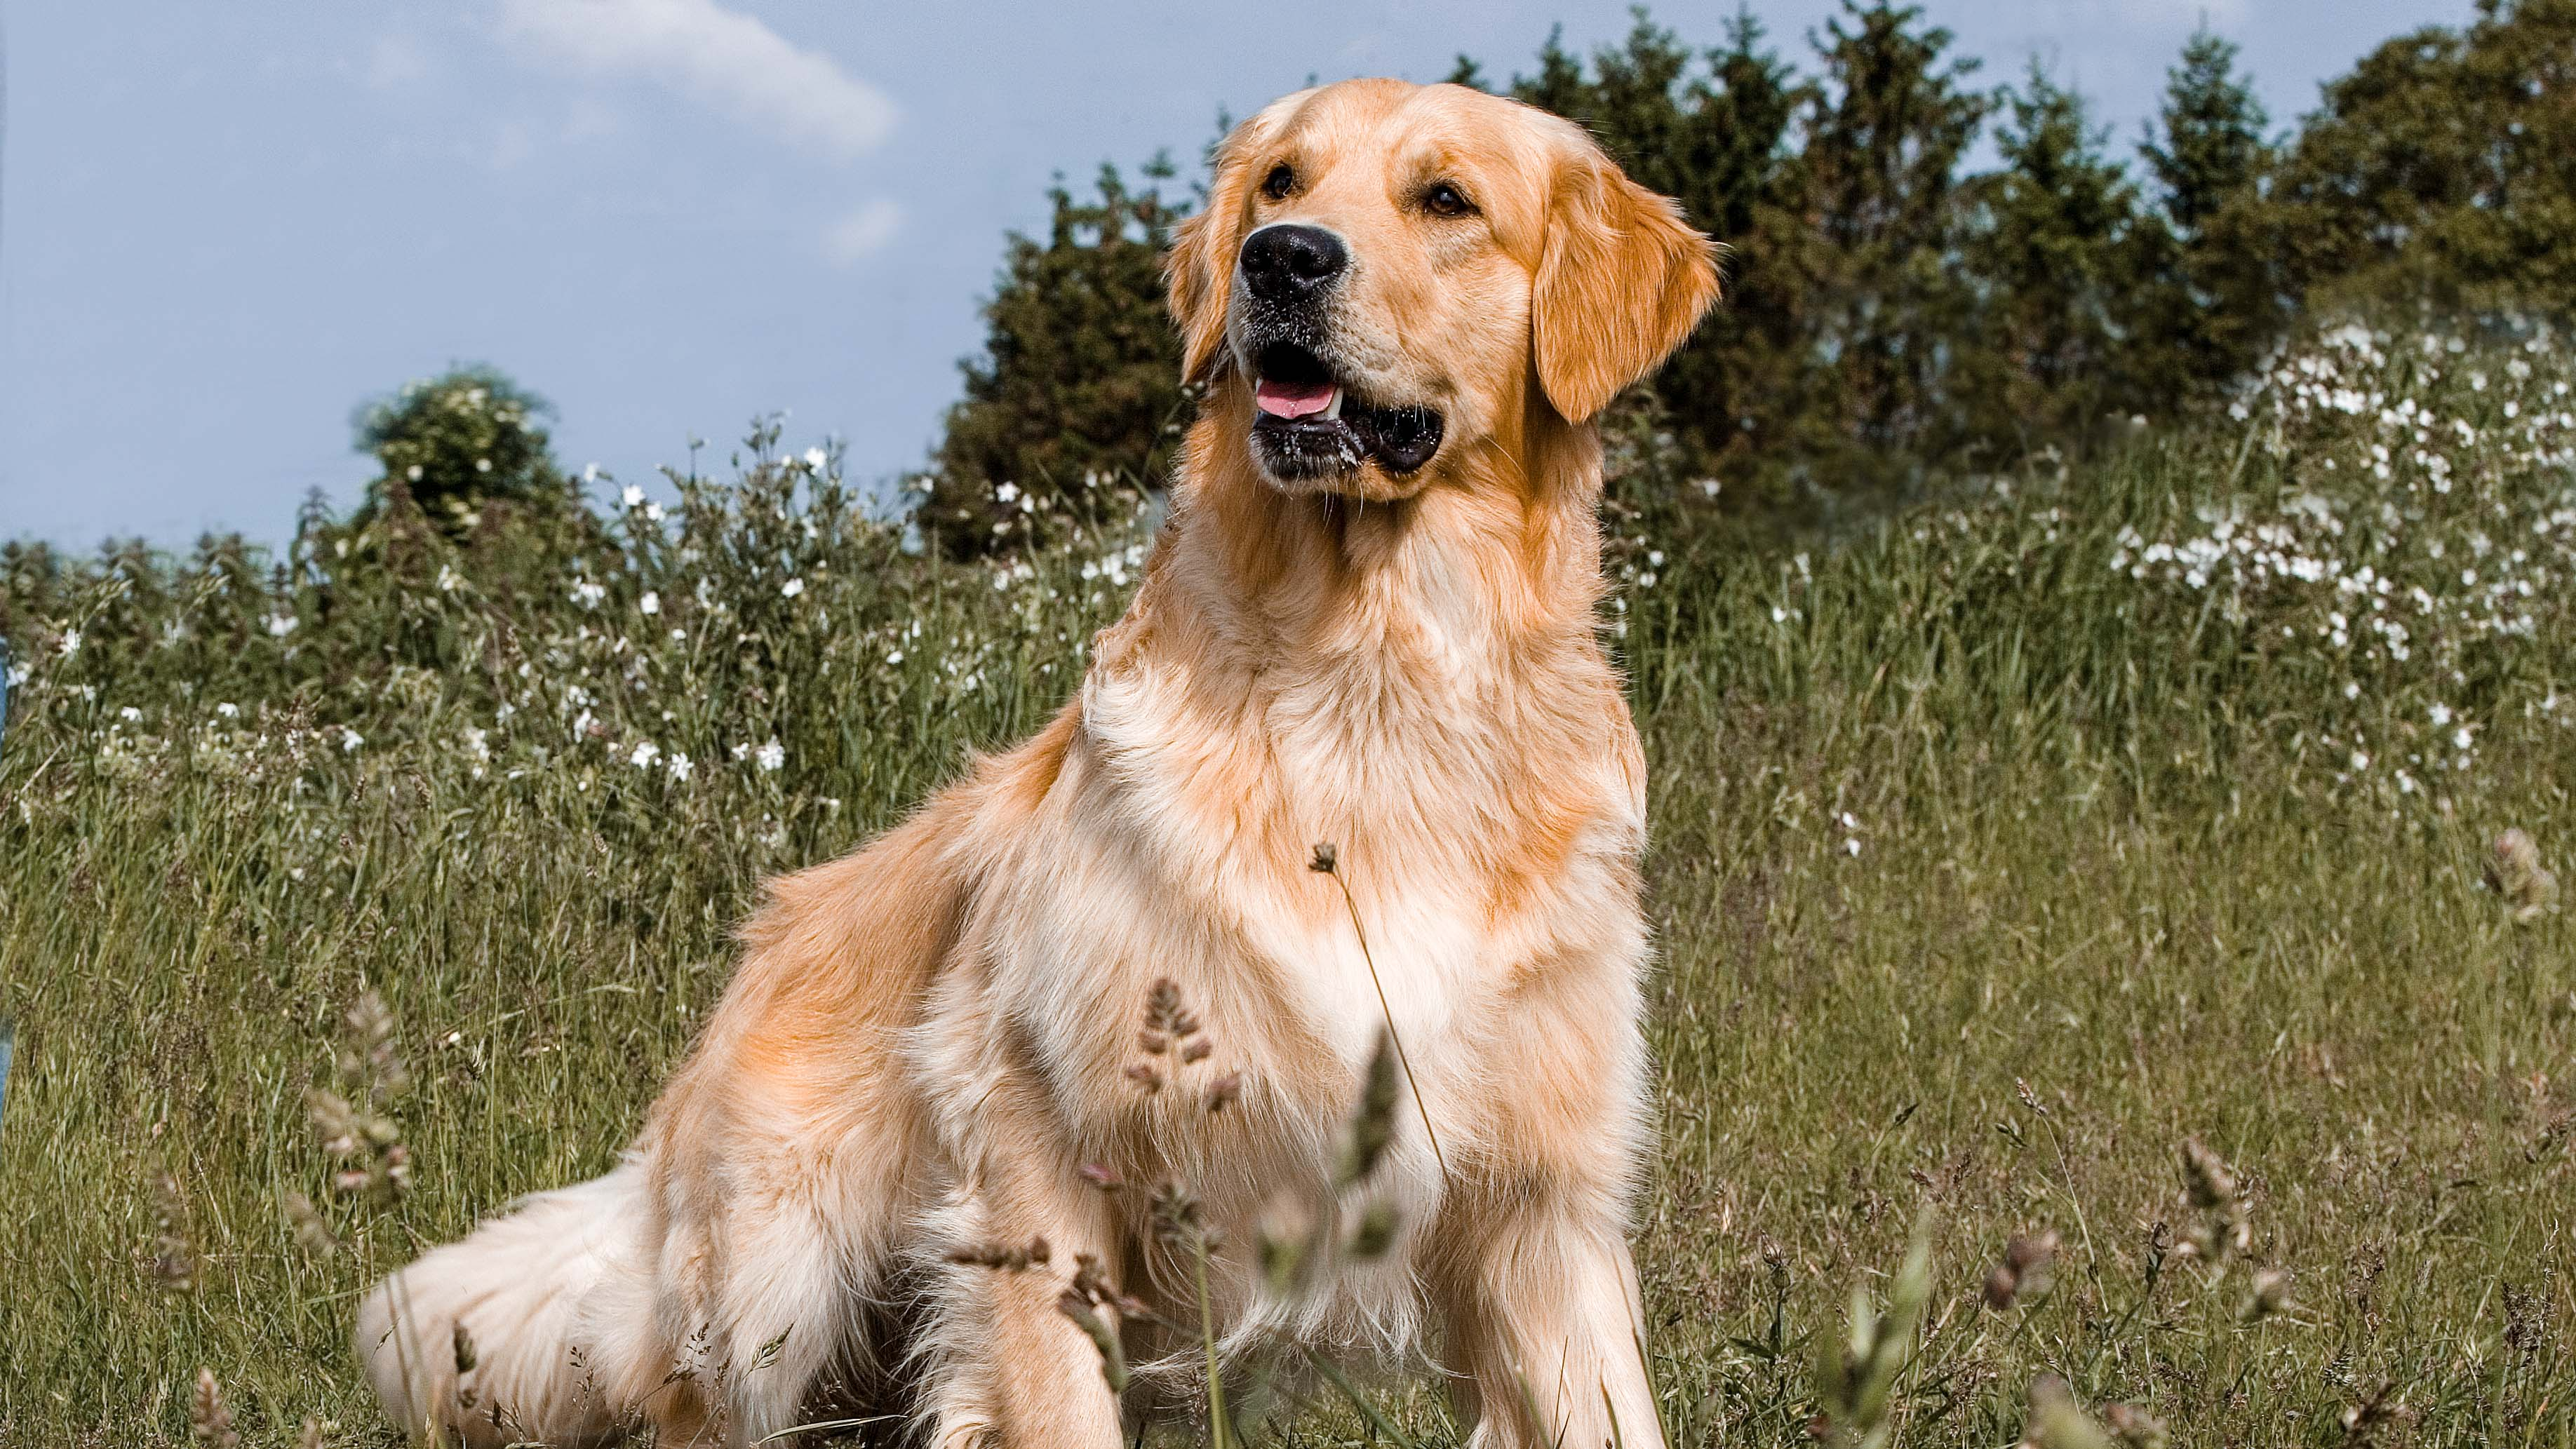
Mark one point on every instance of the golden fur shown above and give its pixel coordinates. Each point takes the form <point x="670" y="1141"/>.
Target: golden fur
<point x="924" y="1041"/>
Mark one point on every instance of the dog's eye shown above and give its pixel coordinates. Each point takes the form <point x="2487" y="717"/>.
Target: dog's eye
<point x="1279" y="182"/>
<point x="1444" y="199"/>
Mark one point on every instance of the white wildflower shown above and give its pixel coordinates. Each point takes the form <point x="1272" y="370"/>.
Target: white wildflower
<point x="633" y="497"/>
<point x="350" y="740"/>
<point x="771" y="756"/>
<point x="792" y="588"/>
<point x="651" y="603"/>
<point x="644" y="754"/>
<point x="679" y="766"/>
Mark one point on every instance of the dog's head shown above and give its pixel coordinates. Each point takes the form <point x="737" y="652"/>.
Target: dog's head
<point x="1389" y="274"/>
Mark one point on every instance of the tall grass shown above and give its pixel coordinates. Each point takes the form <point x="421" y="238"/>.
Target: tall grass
<point x="2000" y="851"/>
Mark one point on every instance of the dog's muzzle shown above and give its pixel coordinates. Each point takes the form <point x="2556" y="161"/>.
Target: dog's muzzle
<point x="1308" y="421"/>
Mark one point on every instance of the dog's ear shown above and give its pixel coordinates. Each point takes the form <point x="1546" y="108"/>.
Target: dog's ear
<point x="1622" y="280"/>
<point x="1199" y="269"/>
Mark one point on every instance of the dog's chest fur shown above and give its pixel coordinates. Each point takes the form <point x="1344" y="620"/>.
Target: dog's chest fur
<point x="1480" y="837"/>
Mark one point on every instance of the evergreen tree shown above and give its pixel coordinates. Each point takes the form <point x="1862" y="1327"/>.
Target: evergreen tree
<point x="457" y="443"/>
<point x="2050" y="257"/>
<point x="1079" y="384"/>
<point x="2208" y="150"/>
<point x="2208" y="285"/>
<point x="1882" y="217"/>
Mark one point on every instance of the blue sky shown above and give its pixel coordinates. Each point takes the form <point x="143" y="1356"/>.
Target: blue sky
<point x="223" y="226"/>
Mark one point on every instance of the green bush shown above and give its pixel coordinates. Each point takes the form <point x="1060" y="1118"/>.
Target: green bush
<point x="457" y="443"/>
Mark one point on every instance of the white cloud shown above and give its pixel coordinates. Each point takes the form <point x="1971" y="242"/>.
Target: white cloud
<point x="863" y="231"/>
<point x="725" y="58"/>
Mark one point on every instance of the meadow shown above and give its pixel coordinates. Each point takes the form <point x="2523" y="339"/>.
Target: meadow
<point x="2097" y="866"/>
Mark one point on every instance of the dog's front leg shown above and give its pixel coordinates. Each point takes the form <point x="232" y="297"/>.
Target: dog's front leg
<point x="1543" y="1316"/>
<point x="1009" y="1368"/>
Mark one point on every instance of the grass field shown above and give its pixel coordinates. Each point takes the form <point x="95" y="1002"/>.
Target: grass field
<point x="2000" y="851"/>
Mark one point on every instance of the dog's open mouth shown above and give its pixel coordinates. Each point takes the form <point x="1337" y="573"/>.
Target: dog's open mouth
<point x="1308" y="424"/>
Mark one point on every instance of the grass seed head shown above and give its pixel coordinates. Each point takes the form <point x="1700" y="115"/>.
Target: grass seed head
<point x="2223" y="1228"/>
<point x="208" y="1419"/>
<point x="2517" y="875"/>
<point x="174" y="1254"/>
<point x="2056" y="1421"/>
<point x="2268" y="1296"/>
<point x="1002" y="1257"/>
<point x="312" y="1233"/>
<point x="1856" y="1380"/>
<point x="1284" y="1241"/>
<point x="2024" y="1271"/>
<point x="1372" y="1127"/>
<point x="2134" y="1428"/>
<point x="1375" y="1232"/>
<point x="1223" y="1092"/>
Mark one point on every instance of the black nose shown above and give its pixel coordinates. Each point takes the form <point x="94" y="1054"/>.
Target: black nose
<point x="1288" y="263"/>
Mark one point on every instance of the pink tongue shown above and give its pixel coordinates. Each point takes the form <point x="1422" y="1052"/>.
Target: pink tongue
<point x="1291" y="399"/>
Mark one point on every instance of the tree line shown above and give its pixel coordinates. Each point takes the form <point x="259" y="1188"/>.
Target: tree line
<point x="1892" y="315"/>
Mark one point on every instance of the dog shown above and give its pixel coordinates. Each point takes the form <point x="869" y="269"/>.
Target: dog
<point x="931" y="1102"/>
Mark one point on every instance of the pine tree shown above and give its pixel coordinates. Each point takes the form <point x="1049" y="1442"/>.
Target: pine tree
<point x="1883" y="215"/>
<point x="1078" y="391"/>
<point x="2208" y="288"/>
<point x="2050" y="258"/>
<point x="2209" y="149"/>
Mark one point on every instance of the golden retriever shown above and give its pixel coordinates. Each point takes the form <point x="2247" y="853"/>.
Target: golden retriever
<point x="1371" y="620"/>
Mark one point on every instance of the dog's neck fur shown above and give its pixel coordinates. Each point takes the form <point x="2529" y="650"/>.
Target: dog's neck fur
<point x="1421" y="677"/>
<point x="1494" y="566"/>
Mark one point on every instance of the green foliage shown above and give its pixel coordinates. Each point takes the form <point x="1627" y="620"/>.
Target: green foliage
<point x="1998" y="852"/>
<point x="2438" y="168"/>
<point x="1077" y="398"/>
<point x="1882" y="193"/>
<point x="2053" y="252"/>
<point x="2208" y="286"/>
<point x="457" y="443"/>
